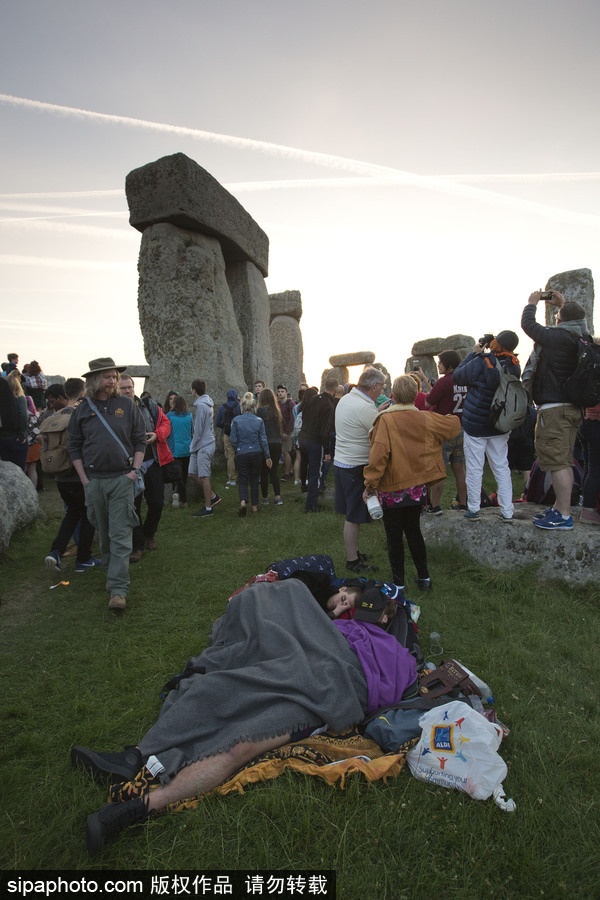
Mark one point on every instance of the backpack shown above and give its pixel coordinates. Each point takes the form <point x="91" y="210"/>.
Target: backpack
<point x="582" y="388"/>
<point x="509" y="404"/>
<point x="540" y="490"/>
<point x="54" y="456"/>
<point x="228" y="417"/>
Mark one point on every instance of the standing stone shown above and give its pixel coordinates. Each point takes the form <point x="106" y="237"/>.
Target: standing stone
<point x="288" y="353"/>
<point x="286" y="340"/>
<point x="576" y="285"/>
<point x="339" y="372"/>
<point x="427" y="350"/>
<point x="253" y="313"/>
<point x="187" y="314"/>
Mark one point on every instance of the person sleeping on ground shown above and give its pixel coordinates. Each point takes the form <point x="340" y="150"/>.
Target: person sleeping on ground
<point x="278" y="668"/>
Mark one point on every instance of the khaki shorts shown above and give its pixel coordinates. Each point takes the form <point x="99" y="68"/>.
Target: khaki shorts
<point x="555" y="433"/>
<point x="286" y="444"/>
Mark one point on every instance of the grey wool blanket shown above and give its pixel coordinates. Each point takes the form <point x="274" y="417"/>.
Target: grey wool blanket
<point x="278" y="664"/>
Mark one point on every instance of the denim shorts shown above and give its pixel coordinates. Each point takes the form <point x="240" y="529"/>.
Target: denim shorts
<point x="349" y="487"/>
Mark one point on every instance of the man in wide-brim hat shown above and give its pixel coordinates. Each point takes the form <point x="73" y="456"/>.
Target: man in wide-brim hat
<point x="108" y="460"/>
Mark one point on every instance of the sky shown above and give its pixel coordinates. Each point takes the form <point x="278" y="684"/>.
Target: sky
<point x="420" y="166"/>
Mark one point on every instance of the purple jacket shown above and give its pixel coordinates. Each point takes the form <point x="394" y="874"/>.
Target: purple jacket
<point x="388" y="666"/>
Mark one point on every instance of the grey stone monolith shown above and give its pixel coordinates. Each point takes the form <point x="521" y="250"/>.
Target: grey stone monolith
<point x="175" y="189"/>
<point x="288" y="353"/>
<point x="286" y="303"/>
<point x="187" y="314"/>
<point x="576" y="285"/>
<point x="253" y="313"/>
<point x="339" y="372"/>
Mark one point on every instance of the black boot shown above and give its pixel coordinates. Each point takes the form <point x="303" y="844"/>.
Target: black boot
<point x="105" y="824"/>
<point x="108" y="766"/>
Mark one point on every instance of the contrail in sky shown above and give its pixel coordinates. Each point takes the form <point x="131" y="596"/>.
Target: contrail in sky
<point x="327" y="160"/>
<point x="11" y="259"/>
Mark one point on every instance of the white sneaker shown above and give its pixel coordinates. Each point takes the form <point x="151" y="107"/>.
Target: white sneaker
<point x="175" y="500"/>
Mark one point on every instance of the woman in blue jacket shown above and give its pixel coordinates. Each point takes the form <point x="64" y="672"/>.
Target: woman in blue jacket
<point x="249" y="440"/>
<point x="479" y="373"/>
<point x="179" y="442"/>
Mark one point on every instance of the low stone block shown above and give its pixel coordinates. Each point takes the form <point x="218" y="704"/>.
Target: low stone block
<point x="175" y="189"/>
<point x="360" y="358"/>
<point x="19" y="504"/>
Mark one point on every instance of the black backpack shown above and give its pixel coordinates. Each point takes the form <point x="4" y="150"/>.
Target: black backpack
<point x="582" y="388"/>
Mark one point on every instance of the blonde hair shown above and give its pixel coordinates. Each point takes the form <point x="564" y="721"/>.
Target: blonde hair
<point x="248" y="402"/>
<point x="14" y="382"/>
<point x="405" y="388"/>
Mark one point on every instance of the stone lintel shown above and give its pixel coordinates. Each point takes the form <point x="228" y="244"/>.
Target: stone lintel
<point x="360" y="358"/>
<point x="286" y="303"/>
<point x="175" y="189"/>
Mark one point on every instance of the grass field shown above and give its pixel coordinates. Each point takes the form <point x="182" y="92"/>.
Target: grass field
<point x="73" y="672"/>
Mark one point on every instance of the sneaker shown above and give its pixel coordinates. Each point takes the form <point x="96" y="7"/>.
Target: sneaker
<point x="424" y="584"/>
<point x="136" y="556"/>
<point x="84" y="566"/>
<point x="265" y="501"/>
<point x="215" y="500"/>
<point x="287" y="477"/>
<point x="202" y="513"/>
<point x="70" y="551"/>
<point x="504" y="518"/>
<point x="105" y="824"/>
<point x="364" y="557"/>
<point x="435" y="510"/>
<point x="117" y="601"/>
<point x="52" y="561"/>
<point x="175" y="501"/>
<point x="230" y="484"/>
<point x="151" y="544"/>
<point x="113" y="767"/>
<point x="542" y="515"/>
<point x="356" y="565"/>
<point x="297" y="482"/>
<point x="278" y="501"/>
<point x="553" y="521"/>
<point x="472" y="516"/>
<point x="589" y="517"/>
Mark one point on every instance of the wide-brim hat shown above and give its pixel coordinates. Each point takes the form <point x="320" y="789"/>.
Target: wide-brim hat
<point x="101" y="365"/>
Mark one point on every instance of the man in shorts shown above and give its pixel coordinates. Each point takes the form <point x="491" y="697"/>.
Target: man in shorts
<point x="202" y="448"/>
<point x="447" y="398"/>
<point x="555" y="359"/>
<point x="354" y="417"/>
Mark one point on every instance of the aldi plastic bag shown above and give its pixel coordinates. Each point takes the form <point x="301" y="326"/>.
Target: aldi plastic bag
<point x="457" y="749"/>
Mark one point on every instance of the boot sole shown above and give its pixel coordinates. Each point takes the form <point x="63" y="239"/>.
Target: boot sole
<point x="94" y="835"/>
<point x="98" y="768"/>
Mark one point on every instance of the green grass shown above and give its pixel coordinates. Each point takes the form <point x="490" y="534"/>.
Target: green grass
<point x="73" y="672"/>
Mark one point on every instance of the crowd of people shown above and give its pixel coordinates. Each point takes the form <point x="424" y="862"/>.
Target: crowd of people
<point x="395" y="448"/>
<point x="389" y="456"/>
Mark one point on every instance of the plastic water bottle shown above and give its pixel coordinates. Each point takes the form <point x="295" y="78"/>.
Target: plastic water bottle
<point x="374" y="507"/>
<point x="435" y="646"/>
<point x="175" y="500"/>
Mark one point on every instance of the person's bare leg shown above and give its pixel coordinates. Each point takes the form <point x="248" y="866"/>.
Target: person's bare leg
<point x="205" y="775"/>
<point x="562" y="482"/>
<point x="206" y="487"/>
<point x="351" y="540"/>
<point x="435" y="492"/>
<point x="287" y="462"/>
<point x="458" y="470"/>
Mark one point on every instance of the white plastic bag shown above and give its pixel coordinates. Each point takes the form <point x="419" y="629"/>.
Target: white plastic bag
<point x="458" y="750"/>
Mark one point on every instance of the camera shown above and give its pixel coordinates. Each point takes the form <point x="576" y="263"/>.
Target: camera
<point x="416" y="365"/>
<point x="485" y="340"/>
<point x="546" y="295"/>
